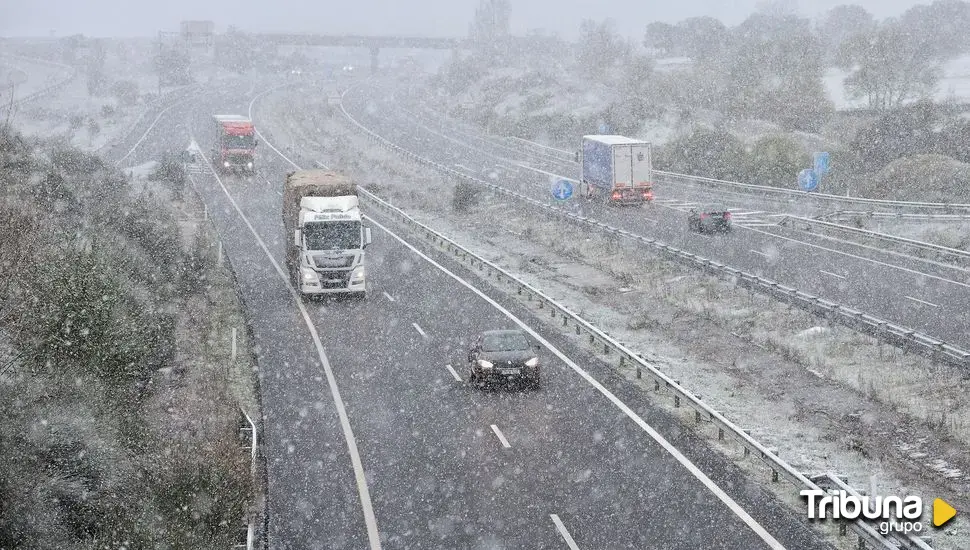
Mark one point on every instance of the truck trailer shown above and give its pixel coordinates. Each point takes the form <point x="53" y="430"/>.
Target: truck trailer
<point x="234" y="148"/>
<point x="323" y="224"/>
<point x="616" y="169"/>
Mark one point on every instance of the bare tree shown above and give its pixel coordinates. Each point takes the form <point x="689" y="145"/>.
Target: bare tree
<point x="491" y="26"/>
<point x="601" y="47"/>
<point x="661" y="36"/>
<point x="888" y="66"/>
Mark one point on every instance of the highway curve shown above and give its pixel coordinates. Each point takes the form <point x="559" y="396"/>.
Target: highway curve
<point x="436" y="472"/>
<point x="930" y="298"/>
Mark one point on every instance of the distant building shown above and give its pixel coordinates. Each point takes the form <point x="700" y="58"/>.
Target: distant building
<point x="198" y="33"/>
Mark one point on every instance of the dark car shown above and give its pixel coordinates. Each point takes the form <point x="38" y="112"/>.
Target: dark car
<point x="504" y="356"/>
<point x="709" y="220"/>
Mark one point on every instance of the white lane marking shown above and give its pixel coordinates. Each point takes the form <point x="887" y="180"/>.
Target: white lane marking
<point x="830" y="274"/>
<point x="760" y="253"/>
<point x="747" y="213"/>
<point x="321" y="165"/>
<point x="667" y="446"/>
<point x="453" y="372"/>
<point x="501" y="437"/>
<point x="388" y="296"/>
<point x="417" y="328"/>
<point x="683" y="460"/>
<point x="877" y="262"/>
<point x="148" y="131"/>
<point x="931" y="304"/>
<point x="565" y="534"/>
<point x="540" y="145"/>
<point x="369" y="518"/>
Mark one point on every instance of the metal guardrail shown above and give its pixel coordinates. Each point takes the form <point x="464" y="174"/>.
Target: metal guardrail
<point x="897" y="335"/>
<point x="675" y="178"/>
<point x="922" y="248"/>
<point x="904" y="541"/>
<point x="624" y="358"/>
<point x="12" y="106"/>
<point x="950" y="211"/>
<point x="843" y="214"/>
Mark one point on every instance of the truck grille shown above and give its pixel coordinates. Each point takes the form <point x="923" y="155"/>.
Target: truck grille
<point x="325" y="262"/>
<point x="334" y="279"/>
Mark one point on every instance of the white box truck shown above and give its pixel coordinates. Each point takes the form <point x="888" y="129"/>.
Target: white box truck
<point x="616" y="169"/>
<point x="323" y="224"/>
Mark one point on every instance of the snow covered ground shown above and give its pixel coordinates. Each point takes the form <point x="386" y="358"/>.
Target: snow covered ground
<point x="953" y="86"/>
<point x="28" y="77"/>
<point x="824" y="396"/>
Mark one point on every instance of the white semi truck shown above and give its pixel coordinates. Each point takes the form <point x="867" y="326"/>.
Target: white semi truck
<point x="616" y="169"/>
<point x="325" y="232"/>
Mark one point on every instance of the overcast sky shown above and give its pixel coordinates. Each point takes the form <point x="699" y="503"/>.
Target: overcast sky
<point x="405" y="17"/>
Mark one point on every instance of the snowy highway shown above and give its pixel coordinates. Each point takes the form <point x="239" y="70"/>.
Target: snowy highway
<point x="901" y="289"/>
<point x="443" y="465"/>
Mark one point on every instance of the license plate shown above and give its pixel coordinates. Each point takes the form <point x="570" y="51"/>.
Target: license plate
<point x="511" y="371"/>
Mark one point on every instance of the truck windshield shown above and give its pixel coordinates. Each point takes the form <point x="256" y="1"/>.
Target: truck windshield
<point x="238" y="142"/>
<point x="332" y="235"/>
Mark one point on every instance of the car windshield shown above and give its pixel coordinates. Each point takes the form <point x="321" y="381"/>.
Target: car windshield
<point x="340" y="235"/>
<point x="511" y="341"/>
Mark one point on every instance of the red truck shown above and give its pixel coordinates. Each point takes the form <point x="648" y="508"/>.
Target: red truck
<point x="235" y="143"/>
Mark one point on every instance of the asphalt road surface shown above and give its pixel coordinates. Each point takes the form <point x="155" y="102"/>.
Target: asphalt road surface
<point x="445" y="465"/>
<point x="931" y="298"/>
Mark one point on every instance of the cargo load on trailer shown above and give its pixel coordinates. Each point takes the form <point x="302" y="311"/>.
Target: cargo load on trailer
<point x="616" y="169"/>
<point x="234" y="148"/>
<point x="325" y="232"/>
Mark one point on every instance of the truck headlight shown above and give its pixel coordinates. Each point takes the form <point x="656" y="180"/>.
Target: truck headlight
<point x="358" y="274"/>
<point x="484" y="364"/>
<point x="249" y="165"/>
<point x="532" y="362"/>
<point x="309" y="275"/>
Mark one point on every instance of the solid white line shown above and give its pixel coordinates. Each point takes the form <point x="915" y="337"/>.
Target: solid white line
<point x="501" y="438"/>
<point x="683" y="460"/>
<point x="877" y="262"/>
<point x="758" y="252"/>
<point x="388" y="296"/>
<point x="417" y="328"/>
<point x="747" y="213"/>
<point x="540" y="145"/>
<point x="678" y="456"/>
<point x="453" y="372"/>
<point x="148" y="131"/>
<point x="836" y="275"/>
<point x="565" y="534"/>
<point x="368" y="509"/>
<point x="931" y="304"/>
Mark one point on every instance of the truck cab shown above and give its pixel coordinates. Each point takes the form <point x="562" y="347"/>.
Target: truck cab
<point x="330" y="239"/>
<point x="235" y="144"/>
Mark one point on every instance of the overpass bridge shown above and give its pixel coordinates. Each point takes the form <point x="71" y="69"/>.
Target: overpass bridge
<point x="372" y="43"/>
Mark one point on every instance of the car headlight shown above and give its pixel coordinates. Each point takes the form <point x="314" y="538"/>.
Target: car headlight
<point x="309" y="275"/>
<point x="484" y="364"/>
<point x="532" y="362"/>
<point x="226" y="164"/>
<point x="249" y="165"/>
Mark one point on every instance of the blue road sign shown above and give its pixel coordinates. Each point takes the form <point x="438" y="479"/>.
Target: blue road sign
<point x="807" y="180"/>
<point x="562" y="190"/>
<point x="821" y="164"/>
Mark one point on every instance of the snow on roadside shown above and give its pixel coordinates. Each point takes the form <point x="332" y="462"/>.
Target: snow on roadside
<point x="817" y="423"/>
